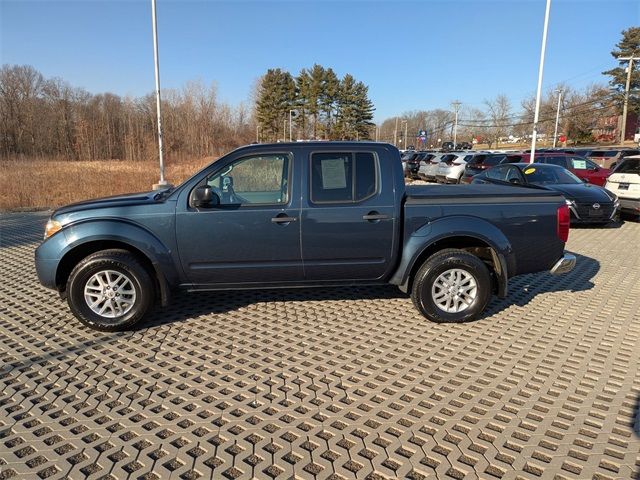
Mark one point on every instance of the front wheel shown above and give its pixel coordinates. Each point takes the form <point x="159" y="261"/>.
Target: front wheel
<point x="110" y="290"/>
<point x="452" y="286"/>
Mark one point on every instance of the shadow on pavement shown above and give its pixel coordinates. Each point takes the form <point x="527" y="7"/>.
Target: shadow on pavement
<point x="522" y="290"/>
<point x="185" y="305"/>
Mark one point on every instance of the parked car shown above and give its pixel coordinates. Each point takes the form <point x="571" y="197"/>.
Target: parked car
<point x="301" y="215"/>
<point x="610" y="158"/>
<point x="636" y="136"/>
<point x="448" y="146"/>
<point x="451" y="170"/>
<point x="428" y="169"/>
<point x="481" y="161"/>
<point x="581" y="167"/>
<point x="405" y="159"/>
<point x="414" y="164"/>
<point x="464" y="146"/>
<point x="625" y="183"/>
<point x="588" y="203"/>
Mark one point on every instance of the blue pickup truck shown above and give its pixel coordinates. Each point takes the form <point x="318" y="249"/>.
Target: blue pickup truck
<point x="301" y="215"/>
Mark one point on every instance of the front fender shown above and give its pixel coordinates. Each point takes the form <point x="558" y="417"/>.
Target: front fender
<point x="51" y="253"/>
<point x="459" y="228"/>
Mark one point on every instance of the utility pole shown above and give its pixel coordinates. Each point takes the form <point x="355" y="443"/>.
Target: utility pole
<point x="395" y="134"/>
<point x="456" y="106"/>
<point x="555" y="133"/>
<point x="626" y="95"/>
<point x="162" y="183"/>
<point x="406" y="141"/>
<point x="284" y="130"/>
<point x="258" y="133"/>
<point x="536" y="115"/>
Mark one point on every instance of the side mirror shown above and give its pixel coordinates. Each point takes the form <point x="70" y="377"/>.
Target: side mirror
<point x="204" y="197"/>
<point x="585" y="180"/>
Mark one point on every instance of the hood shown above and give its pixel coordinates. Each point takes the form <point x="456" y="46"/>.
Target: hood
<point x="583" y="193"/>
<point x="108" y="202"/>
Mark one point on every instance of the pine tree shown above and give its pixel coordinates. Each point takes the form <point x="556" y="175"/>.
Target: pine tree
<point x="346" y="116"/>
<point x="276" y="96"/>
<point x="303" y="86"/>
<point x="328" y="100"/>
<point x="316" y="85"/>
<point x="355" y="110"/>
<point x="629" y="45"/>
<point x="364" y="111"/>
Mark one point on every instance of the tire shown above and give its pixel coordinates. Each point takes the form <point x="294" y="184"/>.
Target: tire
<point x="441" y="268"/>
<point x="87" y="282"/>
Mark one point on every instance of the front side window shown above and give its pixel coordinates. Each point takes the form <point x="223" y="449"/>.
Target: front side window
<point x="579" y="163"/>
<point x="343" y="177"/>
<point x="260" y="179"/>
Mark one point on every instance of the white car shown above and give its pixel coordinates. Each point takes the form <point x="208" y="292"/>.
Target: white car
<point x="451" y="170"/>
<point x="625" y="183"/>
<point x="428" y="169"/>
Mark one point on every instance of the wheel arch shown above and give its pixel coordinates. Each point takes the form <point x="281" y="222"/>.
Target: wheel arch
<point x="82" y="250"/>
<point x="468" y="233"/>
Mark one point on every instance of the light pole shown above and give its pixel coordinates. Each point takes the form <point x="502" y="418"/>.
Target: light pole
<point x="395" y="134"/>
<point x="536" y="115"/>
<point x="555" y="133"/>
<point x="456" y="106"/>
<point x="626" y="95"/>
<point x="162" y="183"/>
<point x="291" y="112"/>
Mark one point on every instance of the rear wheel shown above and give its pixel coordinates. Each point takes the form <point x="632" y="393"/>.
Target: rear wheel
<point x="110" y="290"/>
<point x="452" y="286"/>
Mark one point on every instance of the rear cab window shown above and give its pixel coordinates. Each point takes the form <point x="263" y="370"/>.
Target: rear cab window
<point x="343" y="177"/>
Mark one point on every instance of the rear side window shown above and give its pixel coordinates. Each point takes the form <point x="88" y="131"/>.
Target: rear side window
<point x="494" y="159"/>
<point x="629" y="165"/>
<point x="498" y="173"/>
<point x="343" y="177"/>
<point x="556" y="160"/>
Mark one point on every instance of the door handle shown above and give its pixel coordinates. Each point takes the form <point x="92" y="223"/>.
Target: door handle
<point x="283" y="218"/>
<point x="374" y="217"/>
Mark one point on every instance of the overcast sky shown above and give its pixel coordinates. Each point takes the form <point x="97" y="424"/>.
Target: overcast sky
<point x="413" y="55"/>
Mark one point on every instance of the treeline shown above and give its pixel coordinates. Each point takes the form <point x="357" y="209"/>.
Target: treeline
<point x="47" y="117"/>
<point x="321" y="106"/>
<point x="497" y="119"/>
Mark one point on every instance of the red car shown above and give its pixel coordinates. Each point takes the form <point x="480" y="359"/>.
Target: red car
<point x="581" y="167"/>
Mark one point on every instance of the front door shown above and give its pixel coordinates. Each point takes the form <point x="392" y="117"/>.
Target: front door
<point x="250" y="235"/>
<point x="348" y="218"/>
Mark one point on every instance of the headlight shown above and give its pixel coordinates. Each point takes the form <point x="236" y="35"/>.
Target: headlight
<point x="52" y="227"/>
<point x="570" y="203"/>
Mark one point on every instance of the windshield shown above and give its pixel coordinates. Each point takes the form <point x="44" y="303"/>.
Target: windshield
<point x="543" y="175"/>
<point x="629" y="165"/>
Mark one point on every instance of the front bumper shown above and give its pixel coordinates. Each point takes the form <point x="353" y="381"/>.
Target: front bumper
<point x="630" y="205"/>
<point x="564" y="265"/>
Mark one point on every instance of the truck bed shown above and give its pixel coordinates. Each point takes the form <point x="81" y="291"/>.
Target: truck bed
<point x="429" y="194"/>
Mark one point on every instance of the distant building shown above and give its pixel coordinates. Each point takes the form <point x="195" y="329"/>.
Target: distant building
<point x="607" y="128"/>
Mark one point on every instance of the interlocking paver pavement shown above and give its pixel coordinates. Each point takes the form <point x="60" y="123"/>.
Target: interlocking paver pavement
<point x="332" y="383"/>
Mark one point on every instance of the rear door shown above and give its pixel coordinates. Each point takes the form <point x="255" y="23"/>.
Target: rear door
<point x="348" y="216"/>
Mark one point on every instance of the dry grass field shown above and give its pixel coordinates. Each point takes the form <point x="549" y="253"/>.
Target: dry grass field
<point x="28" y="184"/>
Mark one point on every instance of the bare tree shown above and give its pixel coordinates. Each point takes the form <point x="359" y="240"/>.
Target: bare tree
<point x="498" y="112"/>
